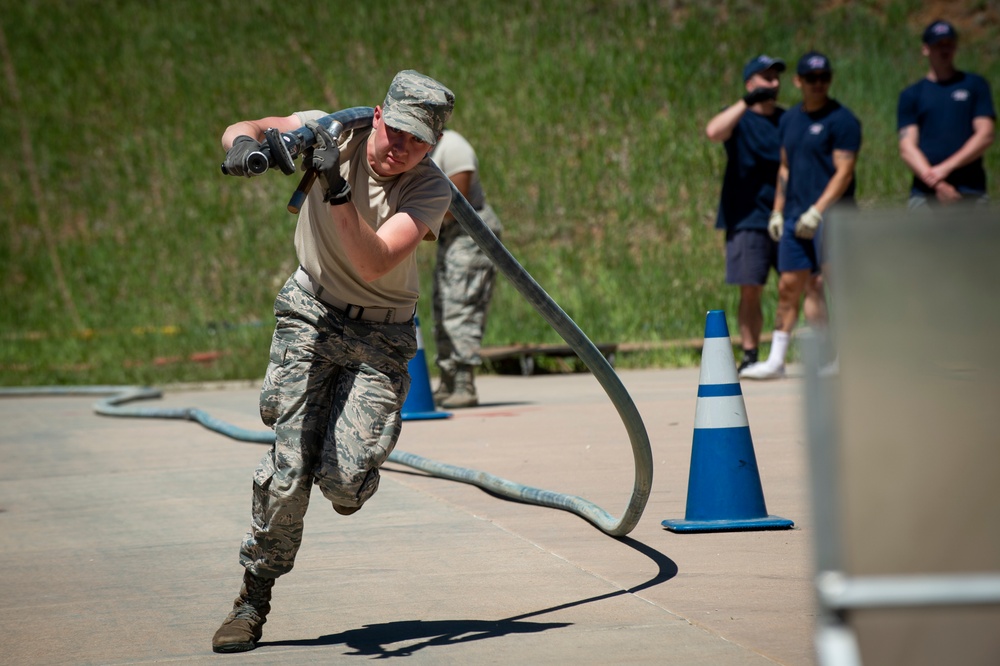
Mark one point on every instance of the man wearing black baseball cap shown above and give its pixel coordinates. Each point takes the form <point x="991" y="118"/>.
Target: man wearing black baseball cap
<point x="946" y="123"/>
<point x="749" y="131"/>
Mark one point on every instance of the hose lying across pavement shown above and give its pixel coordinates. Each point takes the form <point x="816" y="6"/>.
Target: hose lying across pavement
<point x="543" y="304"/>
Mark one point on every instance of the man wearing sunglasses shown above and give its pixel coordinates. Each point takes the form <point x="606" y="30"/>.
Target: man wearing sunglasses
<point x="946" y="123"/>
<point x="820" y="140"/>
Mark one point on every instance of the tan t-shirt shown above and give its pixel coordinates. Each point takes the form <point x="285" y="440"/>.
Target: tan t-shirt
<point x="423" y="192"/>
<point x="454" y="154"/>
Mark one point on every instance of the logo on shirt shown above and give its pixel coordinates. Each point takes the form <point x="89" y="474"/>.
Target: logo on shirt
<point x="960" y="95"/>
<point x="816" y="128"/>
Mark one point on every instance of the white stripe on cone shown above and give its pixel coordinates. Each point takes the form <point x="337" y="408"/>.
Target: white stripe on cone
<point x="719" y="367"/>
<point x="420" y="337"/>
<point x="722" y="412"/>
<point x="717" y="363"/>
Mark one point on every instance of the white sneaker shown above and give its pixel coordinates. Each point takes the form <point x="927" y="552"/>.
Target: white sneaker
<point x="763" y="370"/>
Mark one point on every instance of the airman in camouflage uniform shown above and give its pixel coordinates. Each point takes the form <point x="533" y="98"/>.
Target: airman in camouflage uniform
<point x="463" y="280"/>
<point x="337" y="375"/>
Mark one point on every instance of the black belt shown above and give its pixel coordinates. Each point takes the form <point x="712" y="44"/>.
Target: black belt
<point x="380" y="315"/>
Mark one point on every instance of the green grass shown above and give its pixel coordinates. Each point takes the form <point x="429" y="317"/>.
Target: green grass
<point x="125" y="251"/>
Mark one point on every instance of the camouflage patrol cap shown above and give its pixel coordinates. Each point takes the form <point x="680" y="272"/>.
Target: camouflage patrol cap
<point x="418" y="104"/>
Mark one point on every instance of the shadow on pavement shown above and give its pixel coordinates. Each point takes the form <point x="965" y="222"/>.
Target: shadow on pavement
<point x="376" y="639"/>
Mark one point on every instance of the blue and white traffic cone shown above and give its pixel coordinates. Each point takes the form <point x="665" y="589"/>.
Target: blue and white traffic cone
<point x="724" y="491"/>
<point x="419" y="403"/>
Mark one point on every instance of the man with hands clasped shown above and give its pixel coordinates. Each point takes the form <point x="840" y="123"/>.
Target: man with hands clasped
<point x="946" y="123"/>
<point x="820" y="140"/>
<point x="748" y="130"/>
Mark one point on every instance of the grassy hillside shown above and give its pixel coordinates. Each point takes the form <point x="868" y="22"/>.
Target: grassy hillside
<point x="126" y="253"/>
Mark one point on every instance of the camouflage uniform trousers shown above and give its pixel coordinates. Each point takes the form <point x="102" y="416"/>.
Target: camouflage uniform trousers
<point x="333" y="393"/>
<point x="463" y="285"/>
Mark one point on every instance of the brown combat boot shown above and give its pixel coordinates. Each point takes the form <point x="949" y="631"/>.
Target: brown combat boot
<point x="445" y="387"/>
<point x="243" y="626"/>
<point x="464" y="394"/>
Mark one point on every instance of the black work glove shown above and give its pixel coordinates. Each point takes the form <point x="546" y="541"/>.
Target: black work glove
<point x="236" y="157"/>
<point x="760" y="95"/>
<point x="324" y="156"/>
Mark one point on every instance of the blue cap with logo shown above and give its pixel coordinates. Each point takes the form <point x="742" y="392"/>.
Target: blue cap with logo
<point x="814" y="61"/>
<point x="939" y="30"/>
<point x="760" y="63"/>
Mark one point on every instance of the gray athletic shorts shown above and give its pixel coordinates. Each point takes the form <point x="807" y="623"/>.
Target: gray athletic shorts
<point x="750" y="255"/>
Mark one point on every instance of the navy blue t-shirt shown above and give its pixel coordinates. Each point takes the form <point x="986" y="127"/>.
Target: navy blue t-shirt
<point x="943" y="112"/>
<point x="809" y="140"/>
<point x="753" y="152"/>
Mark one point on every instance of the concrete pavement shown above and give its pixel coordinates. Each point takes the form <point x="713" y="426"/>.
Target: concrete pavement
<point x="120" y="538"/>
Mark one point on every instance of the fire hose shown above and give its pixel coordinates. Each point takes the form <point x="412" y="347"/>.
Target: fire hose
<point x="280" y="150"/>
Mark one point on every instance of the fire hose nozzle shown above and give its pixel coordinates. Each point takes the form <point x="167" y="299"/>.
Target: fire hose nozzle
<point x="256" y="163"/>
<point x="281" y="149"/>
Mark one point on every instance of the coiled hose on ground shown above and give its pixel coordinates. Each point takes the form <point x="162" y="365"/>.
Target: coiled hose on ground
<point x="543" y="304"/>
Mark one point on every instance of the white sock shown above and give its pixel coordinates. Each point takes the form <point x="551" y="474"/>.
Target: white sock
<point x="779" y="347"/>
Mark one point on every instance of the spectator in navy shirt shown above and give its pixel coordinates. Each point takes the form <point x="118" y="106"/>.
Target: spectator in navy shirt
<point x="946" y="122"/>
<point x="820" y="140"/>
<point x="748" y="130"/>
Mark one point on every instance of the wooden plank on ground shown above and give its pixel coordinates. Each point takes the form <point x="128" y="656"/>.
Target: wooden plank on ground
<point x="521" y="357"/>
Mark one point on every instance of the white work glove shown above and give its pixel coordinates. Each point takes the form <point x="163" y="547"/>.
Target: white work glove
<point x="776" y="225"/>
<point x="808" y="223"/>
